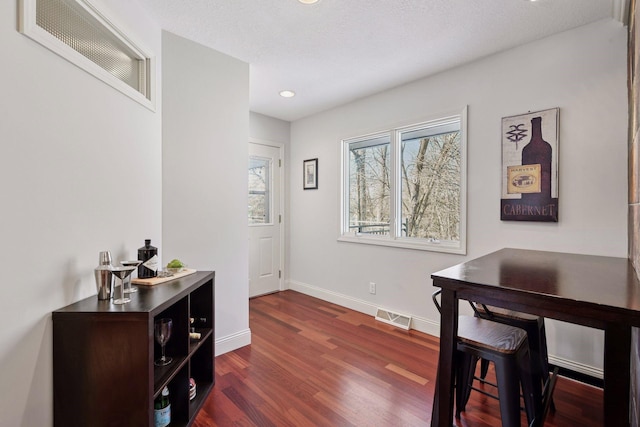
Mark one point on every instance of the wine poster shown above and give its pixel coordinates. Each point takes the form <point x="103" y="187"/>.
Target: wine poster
<point x="530" y="167"/>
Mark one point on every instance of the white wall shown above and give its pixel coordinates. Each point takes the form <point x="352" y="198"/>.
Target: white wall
<point x="80" y="172"/>
<point x="205" y="133"/>
<point x="583" y="72"/>
<point x="267" y="128"/>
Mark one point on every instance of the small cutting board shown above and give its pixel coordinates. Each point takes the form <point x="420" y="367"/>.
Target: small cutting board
<point x="157" y="280"/>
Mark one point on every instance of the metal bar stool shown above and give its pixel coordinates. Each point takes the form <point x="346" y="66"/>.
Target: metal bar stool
<point x="507" y="347"/>
<point x="534" y="326"/>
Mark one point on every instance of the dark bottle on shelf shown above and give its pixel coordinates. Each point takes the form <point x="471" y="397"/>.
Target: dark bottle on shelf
<point x="149" y="256"/>
<point x="198" y="322"/>
<point x="162" y="409"/>
<point x="538" y="152"/>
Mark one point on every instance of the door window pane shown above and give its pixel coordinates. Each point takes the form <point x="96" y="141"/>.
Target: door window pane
<point x="259" y="190"/>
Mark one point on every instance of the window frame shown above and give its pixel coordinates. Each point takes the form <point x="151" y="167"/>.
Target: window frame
<point x="145" y="95"/>
<point x="395" y="239"/>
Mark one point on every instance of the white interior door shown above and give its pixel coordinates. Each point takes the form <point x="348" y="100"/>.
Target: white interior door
<point x="265" y="219"/>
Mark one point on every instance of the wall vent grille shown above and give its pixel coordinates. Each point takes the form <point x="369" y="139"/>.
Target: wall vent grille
<point x="396" y="319"/>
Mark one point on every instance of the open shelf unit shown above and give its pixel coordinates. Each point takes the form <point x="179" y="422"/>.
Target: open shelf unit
<point x="103" y="355"/>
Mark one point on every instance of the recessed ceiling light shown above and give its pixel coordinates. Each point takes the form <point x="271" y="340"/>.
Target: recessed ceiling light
<point x="308" y="1"/>
<point x="287" y="94"/>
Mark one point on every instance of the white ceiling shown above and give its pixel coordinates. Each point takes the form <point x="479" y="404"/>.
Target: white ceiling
<point x="335" y="51"/>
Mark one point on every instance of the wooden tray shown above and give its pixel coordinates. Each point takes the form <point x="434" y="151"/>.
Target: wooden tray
<point x="157" y="280"/>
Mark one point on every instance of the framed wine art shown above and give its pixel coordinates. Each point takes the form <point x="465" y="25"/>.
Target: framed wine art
<point x="530" y="167"/>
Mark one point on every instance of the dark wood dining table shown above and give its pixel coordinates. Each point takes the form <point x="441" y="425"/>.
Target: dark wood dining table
<point x="595" y="291"/>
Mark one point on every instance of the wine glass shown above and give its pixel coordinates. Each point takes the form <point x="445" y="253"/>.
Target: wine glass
<point x="130" y="263"/>
<point x="121" y="273"/>
<point x="162" y="332"/>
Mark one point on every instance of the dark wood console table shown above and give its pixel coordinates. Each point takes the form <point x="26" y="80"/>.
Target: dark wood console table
<point x="594" y="291"/>
<point x="103" y="355"/>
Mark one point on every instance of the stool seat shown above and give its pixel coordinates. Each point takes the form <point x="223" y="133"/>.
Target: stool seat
<point x="490" y="335"/>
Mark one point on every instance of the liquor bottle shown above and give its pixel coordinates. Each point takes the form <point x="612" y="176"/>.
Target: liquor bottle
<point x="162" y="409"/>
<point x="149" y="256"/>
<point x="538" y="152"/>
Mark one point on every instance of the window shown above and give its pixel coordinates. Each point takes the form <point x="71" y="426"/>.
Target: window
<point x="259" y="195"/>
<point x="369" y="185"/>
<point x="78" y="32"/>
<point x="406" y="186"/>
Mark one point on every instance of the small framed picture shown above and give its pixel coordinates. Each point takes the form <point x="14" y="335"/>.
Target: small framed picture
<point x="310" y="174"/>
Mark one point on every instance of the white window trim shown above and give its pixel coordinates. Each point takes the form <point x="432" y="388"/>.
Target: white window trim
<point x="399" y="241"/>
<point x="27" y="26"/>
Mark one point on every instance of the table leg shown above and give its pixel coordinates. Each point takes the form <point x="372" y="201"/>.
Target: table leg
<point x="617" y="382"/>
<point x="442" y="415"/>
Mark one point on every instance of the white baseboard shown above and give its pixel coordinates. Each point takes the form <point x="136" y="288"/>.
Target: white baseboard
<point x="419" y="323"/>
<point x="334" y="297"/>
<point x="233" y="342"/>
<point x="576" y="367"/>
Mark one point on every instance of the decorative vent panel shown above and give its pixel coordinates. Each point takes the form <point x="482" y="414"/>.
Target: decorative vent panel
<point x="70" y="23"/>
<point x="78" y="32"/>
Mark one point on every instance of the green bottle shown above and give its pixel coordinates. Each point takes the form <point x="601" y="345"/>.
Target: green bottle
<point x="162" y="409"/>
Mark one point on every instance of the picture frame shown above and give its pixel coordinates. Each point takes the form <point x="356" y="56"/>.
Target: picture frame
<point x="310" y="174"/>
<point x="530" y="166"/>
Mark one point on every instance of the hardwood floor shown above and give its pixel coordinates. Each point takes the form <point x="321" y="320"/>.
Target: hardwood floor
<point x="313" y="363"/>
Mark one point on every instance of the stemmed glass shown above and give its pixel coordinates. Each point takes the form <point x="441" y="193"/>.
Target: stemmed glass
<point x="121" y="273"/>
<point x="162" y="332"/>
<point x="128" y="289"/>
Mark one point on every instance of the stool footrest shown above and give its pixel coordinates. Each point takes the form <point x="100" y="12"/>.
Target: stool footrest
<point x="484" y="381"/>
<point x="486" y="393"/>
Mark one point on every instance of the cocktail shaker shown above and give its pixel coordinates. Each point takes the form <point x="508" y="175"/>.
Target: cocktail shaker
<point x="104" y="278"/>
<point x="104" y="258"/>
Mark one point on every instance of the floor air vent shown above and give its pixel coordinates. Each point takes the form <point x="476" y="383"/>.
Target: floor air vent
<point x="395" y="319"/>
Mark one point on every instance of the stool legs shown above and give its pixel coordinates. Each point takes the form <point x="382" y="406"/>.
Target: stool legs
<point x="512" y="373"/>
<point x="484" y="368"/>
<point x="509" y="392"/>
<point x="464" y="378"/>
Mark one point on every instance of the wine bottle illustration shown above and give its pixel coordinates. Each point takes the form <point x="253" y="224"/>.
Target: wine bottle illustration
<point x="538" y="152"/>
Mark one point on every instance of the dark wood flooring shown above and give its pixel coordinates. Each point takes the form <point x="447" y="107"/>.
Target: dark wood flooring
<point x="313" y="363"/>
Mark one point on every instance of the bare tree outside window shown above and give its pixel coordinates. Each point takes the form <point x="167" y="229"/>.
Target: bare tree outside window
<point x="431" y="186"/>
<point x="369" y="191"/>
<point x="259" y="198"/>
